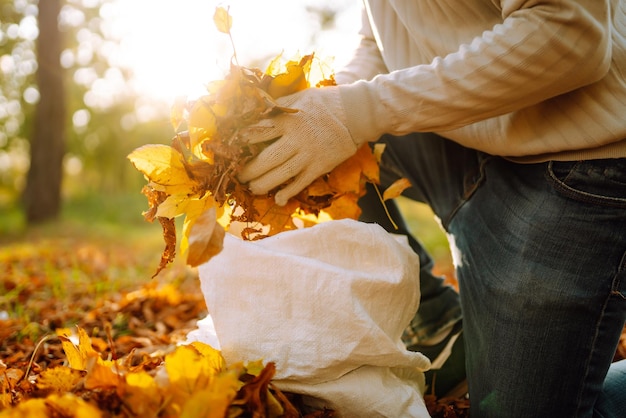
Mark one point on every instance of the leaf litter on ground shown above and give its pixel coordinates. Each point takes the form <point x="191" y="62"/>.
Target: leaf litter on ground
<point x="115" y="352"/>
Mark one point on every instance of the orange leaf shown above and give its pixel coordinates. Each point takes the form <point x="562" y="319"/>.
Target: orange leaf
<point x="279" y="218"/>
<point x="100" y="375"/>
<point x="396" y="189"/>
<point x="345" y="207"/>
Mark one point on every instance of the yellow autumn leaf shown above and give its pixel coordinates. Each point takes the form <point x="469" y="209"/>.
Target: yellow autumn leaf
<point x="163" y="166"/>
<point x="202" y="122"/>
<point x="187" y="369"/>
<point x="275" y="66"/>
<point x="58" y="379"/>
<point x="223" y="20"/>
<point x="188" y="372"/>
<point x="255" y="367"/>
<point x="141" y="394"/>
<point x="173" y="206"/>
<point x="396" y="189"/>
<point x="287" y="83"/>
<point x="378" y="152"/>
<point x="211" y="356"/>
<point x="214" y="401"/>
<point x="77" y="354"/>
<point x="70" y="405"/>
<point x="32" y="408"/>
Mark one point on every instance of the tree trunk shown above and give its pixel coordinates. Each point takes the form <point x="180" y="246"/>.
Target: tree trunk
<point x="42" y="195"/>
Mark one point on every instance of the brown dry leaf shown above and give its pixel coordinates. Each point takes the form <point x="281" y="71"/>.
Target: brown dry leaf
<point x="169" y="236"/>
<point x="205" y="237"/>
<point x="10" y="377"/>
<point x="396" y="189"/>
<point x="255" y="393"/>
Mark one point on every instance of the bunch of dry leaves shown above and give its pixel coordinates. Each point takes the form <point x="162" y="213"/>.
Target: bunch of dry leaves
<point x="196" y="176"/>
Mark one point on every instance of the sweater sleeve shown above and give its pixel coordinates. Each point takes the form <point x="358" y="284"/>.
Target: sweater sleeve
<point x="366" y="61"/>
<point x="542" y="49"/>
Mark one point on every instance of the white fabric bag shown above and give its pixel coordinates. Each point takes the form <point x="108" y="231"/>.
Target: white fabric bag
<point x="327" y="304"/>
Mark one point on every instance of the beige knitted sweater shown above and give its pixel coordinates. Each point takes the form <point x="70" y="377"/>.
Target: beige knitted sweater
<point x="530" y="80"/>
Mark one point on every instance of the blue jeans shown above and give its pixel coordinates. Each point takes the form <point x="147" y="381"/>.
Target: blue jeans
<point x="540" y="255"/>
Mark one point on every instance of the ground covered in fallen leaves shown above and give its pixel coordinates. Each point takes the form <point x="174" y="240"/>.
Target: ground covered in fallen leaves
<point x="75" y="306"/>
<point x="72" y="309"/>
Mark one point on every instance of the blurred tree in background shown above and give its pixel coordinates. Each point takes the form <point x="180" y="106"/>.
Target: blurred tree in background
<point x="66" y="103"/>
<point x="42" y="195"/>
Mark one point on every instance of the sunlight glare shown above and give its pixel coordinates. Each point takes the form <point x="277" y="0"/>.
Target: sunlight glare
<point x="174" y="49"/>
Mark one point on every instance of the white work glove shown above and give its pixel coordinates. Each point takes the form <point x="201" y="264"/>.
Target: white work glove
<point x="311" y="142"/>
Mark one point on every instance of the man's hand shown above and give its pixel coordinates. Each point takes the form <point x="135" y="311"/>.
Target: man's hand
<point x="309" y="143"/>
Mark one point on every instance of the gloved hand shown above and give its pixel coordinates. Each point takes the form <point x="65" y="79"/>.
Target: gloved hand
<point x="311" y="142"/>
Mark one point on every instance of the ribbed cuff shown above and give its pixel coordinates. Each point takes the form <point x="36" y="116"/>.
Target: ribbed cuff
<point x="365" y="118"/>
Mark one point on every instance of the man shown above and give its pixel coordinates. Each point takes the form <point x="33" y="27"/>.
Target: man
<point x="509" y="118"/>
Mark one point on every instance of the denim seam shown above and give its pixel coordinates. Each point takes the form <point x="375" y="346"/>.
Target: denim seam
<point x="579" y="195"/>
<point x="469" y="192"/>
<point x="591" y="352"/>
<point x="614" y="292"/>
<point x="618" y="281"/>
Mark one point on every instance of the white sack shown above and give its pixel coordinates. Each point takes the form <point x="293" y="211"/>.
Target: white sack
<point x="327" y="305"/>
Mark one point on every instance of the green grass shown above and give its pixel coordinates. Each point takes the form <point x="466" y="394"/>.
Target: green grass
<point x="424" y="225"/>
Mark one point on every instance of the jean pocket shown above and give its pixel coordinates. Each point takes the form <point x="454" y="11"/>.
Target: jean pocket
<point x="601" y="182"/>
